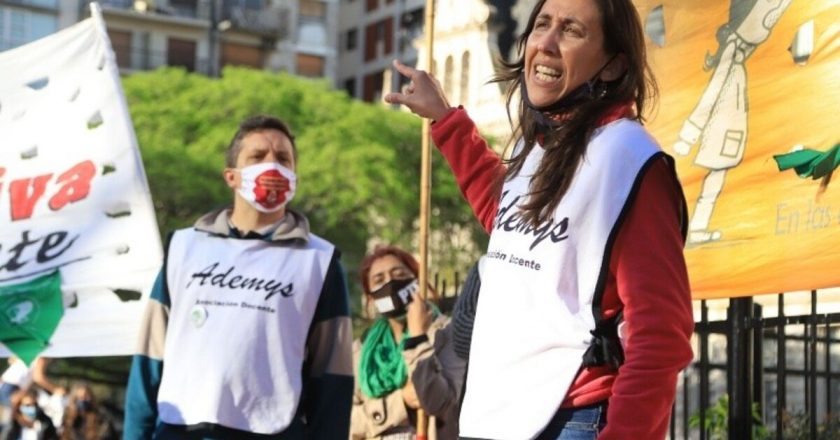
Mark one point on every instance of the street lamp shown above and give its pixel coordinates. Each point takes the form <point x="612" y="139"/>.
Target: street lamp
<point x="216" y="28"/>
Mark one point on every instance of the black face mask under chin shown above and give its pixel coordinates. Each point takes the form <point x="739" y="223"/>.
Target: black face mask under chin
<point x="582" y="93"/>
<point x="392" y="299"/>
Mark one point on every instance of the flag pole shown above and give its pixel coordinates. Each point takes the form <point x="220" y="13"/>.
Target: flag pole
<point x="425" y="189"/>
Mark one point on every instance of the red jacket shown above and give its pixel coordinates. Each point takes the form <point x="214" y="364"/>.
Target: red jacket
<point x="647" y="279"/>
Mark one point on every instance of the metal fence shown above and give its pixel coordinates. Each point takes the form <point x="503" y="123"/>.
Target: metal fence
<point x="781" y="376"/>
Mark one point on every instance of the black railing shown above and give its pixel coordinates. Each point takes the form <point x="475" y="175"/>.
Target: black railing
<point x="447" y="290"/>
<point x="186" y="10"/>
<point x="760" y="376"/>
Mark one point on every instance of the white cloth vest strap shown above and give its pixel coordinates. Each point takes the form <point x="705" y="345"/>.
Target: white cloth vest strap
<point x="239" y="318"/>
<point x="535" y="312"/>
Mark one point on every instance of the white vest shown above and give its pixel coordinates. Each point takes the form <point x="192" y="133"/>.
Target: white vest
<point x="534" y="310"/>
<point x="239" y="319"/>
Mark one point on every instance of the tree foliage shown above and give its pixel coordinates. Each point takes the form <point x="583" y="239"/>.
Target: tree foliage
<point x="358" y="166"/>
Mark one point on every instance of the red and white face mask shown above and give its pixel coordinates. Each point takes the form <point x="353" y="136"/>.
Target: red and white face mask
<point x="268" y="187"/>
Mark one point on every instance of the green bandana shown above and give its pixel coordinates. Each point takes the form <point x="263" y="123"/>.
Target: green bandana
<point x="381" y="368"/>
<point x="29" y="314"/>
<point x="810" y="163"/>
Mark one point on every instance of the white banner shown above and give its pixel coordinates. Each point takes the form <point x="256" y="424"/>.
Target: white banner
<point x="73" y="193"/>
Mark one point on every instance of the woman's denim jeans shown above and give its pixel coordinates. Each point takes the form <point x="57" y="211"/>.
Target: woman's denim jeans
<point x="577" y="423"/>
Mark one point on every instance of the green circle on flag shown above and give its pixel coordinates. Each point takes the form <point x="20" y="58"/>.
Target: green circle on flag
<point x="21" y="311"/>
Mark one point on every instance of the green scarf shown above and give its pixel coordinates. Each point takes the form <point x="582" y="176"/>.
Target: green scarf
<point x="382" y="368"/>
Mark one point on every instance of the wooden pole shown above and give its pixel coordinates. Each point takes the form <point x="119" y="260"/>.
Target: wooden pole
<point x="425" y="191"/>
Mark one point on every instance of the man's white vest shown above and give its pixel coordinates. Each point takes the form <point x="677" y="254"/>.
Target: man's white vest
<point x="238" y="323"/>
<point x="535" y="307"/>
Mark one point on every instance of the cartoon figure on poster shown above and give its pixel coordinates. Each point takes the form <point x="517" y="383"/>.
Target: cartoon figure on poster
<point x="719" y="122"/>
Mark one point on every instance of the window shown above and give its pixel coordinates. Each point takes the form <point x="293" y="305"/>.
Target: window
<point x="370" y="42"/>
<point x="121" y="43"/>
<point x="350" y="40"/>
<point x="313" y="9"/>
<point x="41" y="25"/>
<point x="181" y="53"/>
<point x="52" y="4"/>
<point x="245" y="4"/>
<point x="465" y="78"/>
<point x="373" y="87"/>
<point x="234" y="54"/>
<point x="376" y="34"/>
<point x="448" y="73"/>
<point x="411" y="28"/>
<point x="388" y="34"/>
<point x="184" y="8"/>
<point x="310" y="65"/>
<point x="313" y="33"/>
<point x="380" y="31"/>
<point x="240" y="8"/>
<point x="350" y="86"/>
<point x="371" y="5"/>
<point x="18" y="27"/>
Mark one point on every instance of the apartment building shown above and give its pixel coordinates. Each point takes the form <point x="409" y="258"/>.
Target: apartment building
<point x="297" y="36"/>
<point x="205" y="35"/>
<point x="372" y="34"/>
<point x="468" y="34"/>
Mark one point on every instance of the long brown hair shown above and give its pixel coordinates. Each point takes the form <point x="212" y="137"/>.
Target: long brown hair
<point x="565" y="145"/>
<point x="75" y="422"/>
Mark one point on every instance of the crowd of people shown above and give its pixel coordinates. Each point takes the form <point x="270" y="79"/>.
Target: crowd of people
<point x="35" y="408"/>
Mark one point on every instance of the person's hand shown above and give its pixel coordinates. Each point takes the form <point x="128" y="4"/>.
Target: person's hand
<point x="689" y="135"/>
<point x="418" y="315"/>
<point x="409" y="395"/>
<point x="682" y="148"/>
<point x="423" y="95"/>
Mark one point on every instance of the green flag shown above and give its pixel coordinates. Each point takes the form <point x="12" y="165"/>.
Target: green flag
<point x="29" y="315"/>
<point x="810" y="163"/>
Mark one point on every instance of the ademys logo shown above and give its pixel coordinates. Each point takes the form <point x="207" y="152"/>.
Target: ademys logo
<point x="233" y="281"/>
<point x="509" y="219"/>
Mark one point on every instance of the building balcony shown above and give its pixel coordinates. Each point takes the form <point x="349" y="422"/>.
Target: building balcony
<point x="173" y="8"/>
<point x="257" y="18"/>
<point x="269" y="21"/>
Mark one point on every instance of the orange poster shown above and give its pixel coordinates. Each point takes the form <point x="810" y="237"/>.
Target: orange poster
<point x="742" y="81"/>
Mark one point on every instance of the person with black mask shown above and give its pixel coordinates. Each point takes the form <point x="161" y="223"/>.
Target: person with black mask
<point x="84" y="418"/>
<point x="385" y="400"/>
<point x="584" y="318"/>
